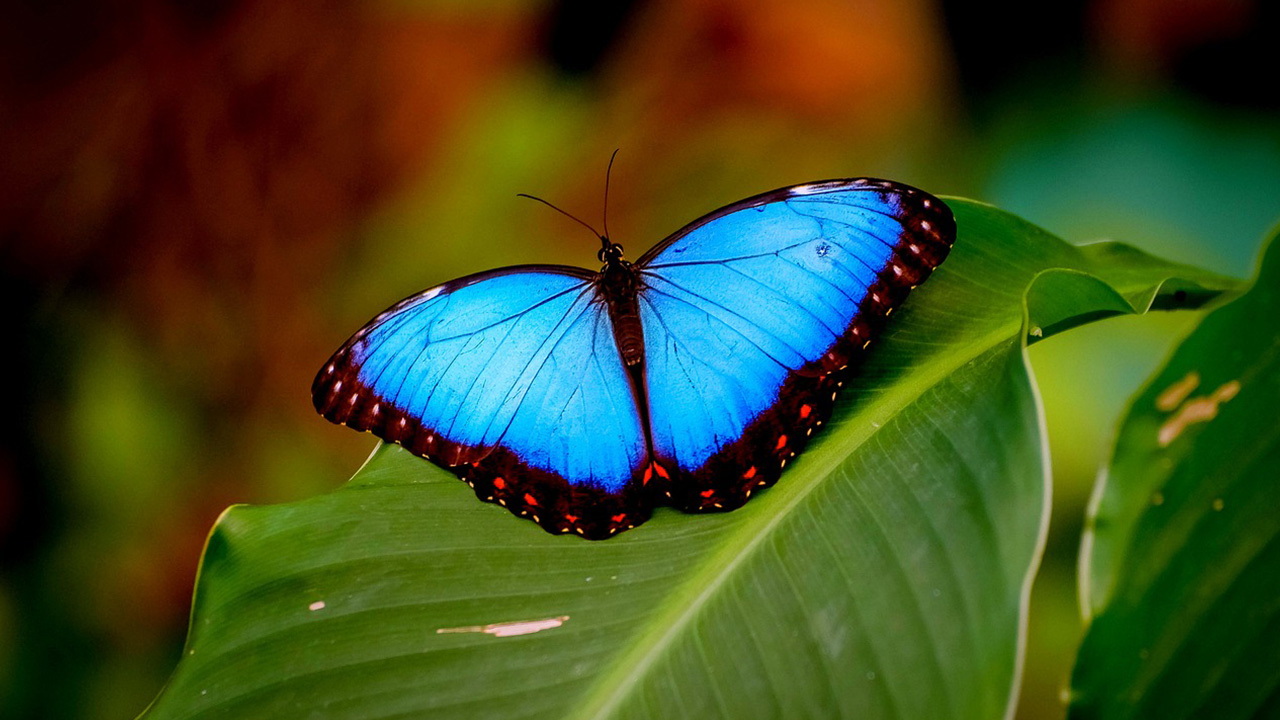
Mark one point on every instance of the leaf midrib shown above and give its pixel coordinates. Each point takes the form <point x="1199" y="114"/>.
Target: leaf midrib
<point x="719" y="567"/>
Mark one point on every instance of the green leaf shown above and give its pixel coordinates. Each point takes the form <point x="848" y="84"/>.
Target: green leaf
<point x="886" y="575"/>
<point x="1182" y="549"/>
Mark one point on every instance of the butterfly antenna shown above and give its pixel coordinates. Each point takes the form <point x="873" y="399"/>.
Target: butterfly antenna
<point x="607" y="175"/>
<point x="562" y="212"/>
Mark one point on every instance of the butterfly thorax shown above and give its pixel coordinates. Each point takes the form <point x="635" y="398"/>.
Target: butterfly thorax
<point x="619" y="285"/>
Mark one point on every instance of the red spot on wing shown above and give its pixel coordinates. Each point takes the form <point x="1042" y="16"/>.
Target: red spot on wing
<point x="707" y="493"/>
<point x="655" y="467"/>
<point x="619" y="517"/>
<point x="782" y="442"/>
<point x="750" y="473"/>
<point x="531" y="499"/>
<point x="805" y="410"/>
<point x="571" y="518"/>
<point x="499" y="483"/>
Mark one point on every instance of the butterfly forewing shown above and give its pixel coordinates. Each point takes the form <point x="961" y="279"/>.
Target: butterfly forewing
<point x="753" y="314"/>
<point x="513" y="380"/>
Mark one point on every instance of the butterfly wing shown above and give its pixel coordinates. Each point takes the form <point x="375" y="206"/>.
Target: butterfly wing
<point x="752" y="314"/>
<point x="511" y="379"/>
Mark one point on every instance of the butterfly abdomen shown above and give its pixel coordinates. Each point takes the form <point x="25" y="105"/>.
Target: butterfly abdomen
<point x="619" y="285"/>
<point x="627" y="330"/>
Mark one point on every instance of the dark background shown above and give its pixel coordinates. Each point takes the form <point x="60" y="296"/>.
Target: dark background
<point x="199" y="201"/>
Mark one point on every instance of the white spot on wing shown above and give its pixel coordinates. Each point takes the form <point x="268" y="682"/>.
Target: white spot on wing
<point x="815" y="188"/>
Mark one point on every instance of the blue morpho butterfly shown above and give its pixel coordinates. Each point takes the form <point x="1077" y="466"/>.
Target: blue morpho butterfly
<point x="690" y="377"/>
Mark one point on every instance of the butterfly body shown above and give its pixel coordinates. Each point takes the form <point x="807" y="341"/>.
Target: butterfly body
<point x="619" y="286"/>
<point x="692" y="377"/>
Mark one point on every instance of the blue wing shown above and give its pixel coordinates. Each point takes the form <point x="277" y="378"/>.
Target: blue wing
<point x="752" y="314"/>
<point x="512" y="378"/>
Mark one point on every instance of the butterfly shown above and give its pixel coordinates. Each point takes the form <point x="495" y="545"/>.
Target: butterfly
<point x="691" y="377"/>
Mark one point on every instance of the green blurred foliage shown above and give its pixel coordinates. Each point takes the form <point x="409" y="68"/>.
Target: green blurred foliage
<point x="200" y="201"/>
<point x="1179" y="561"/>
<point x="931" y="480"/>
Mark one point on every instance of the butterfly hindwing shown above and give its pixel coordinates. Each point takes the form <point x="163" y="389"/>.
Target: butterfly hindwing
<point x="512" y="379"/>
<point x="753" y="314"/>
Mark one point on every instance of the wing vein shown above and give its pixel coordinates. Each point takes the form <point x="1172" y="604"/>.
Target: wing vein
<point x="736" y="314"/>
<point x="520" y="403"/>
<point x="541" y="366"/>
<point x="736" y="331"/>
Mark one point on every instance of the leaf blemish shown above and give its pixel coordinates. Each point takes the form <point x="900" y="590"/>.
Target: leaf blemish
<point x="508" y="629"/>
<point x="317" y="605"/>
<point x="1173" y="395"/>
<point x="1201" y="409"/>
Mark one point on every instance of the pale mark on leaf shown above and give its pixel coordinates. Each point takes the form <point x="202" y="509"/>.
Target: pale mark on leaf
<point x="1197" y="410"/>
<point x="508" y="629"/>
<point x="1173" y="395"/>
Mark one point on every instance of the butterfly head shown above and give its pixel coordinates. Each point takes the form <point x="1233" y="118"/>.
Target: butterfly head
<point x="610" y="252"/>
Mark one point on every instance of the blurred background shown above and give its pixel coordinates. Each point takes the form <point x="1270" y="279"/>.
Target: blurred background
<point x="200" y="200"/>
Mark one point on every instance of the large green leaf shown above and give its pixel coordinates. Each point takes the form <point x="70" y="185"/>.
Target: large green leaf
<point x="1181" y="564"/>
<point x="886" y="575"/>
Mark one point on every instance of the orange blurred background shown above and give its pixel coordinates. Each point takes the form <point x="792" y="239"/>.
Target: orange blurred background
<point x="199" y="201"/>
